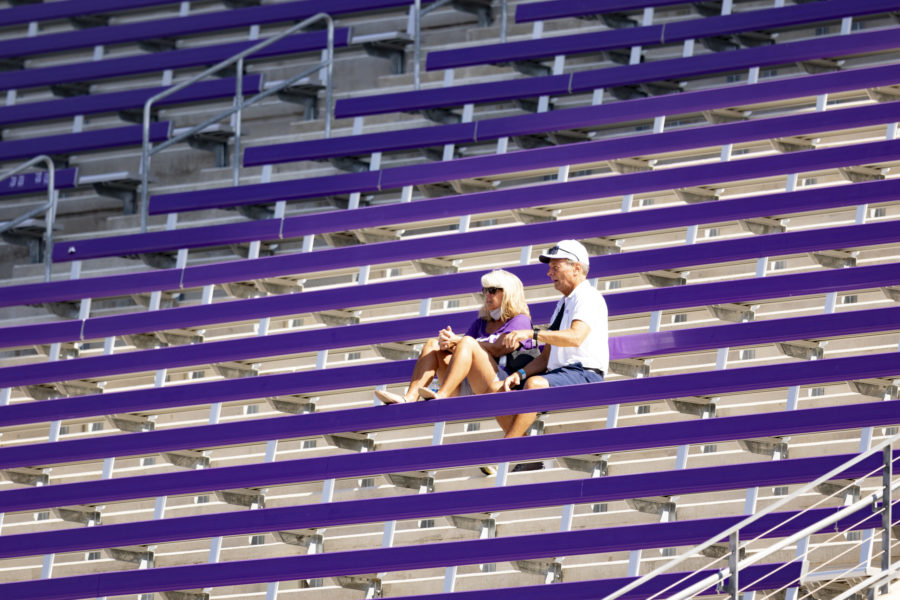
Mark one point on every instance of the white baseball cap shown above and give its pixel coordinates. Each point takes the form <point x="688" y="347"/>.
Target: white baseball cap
<point x="571" y="249"/>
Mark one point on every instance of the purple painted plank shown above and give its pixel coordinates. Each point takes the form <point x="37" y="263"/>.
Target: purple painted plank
<point x="656" y="34"/>
<point x="554" y="9"/>
<point x="365" y="511"/>
<point x="463" y="408"/>
<point x="27" y="183"/>
<point x="114" y="101"/>
<point x="19" y="15"/>
<point x="208" y="436"/>
<point x="400" y="558"/>
<point x="69" y="143"/>
<point x="816" y="282"/>
<point x="589" y="80"/>
<point x="578" y="153"/>
<point x="587" y="116"/>
<point x="173" y="59"/>
<point x="188" y="25"/>
<point x="871" y="153"/>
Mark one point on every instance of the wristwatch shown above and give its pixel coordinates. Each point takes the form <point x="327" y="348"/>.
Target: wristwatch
<point x="534" y="337"/>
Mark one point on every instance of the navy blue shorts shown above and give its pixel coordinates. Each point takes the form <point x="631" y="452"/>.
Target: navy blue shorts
<point x="573" y="374"/>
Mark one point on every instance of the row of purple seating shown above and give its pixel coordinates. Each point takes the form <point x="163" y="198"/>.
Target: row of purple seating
<point x="556" y="9"/>
<point x="873" y="153"/>
<point x="673" y="69"/>
<point x="28" y="13"/>
<point x="785" y="203"/>
<point x="753" y="20"/>
<point x="310" y="382"/>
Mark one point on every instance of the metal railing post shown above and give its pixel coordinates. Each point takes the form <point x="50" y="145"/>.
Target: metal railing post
<point x="49" y="207"/>
<point x="238" y="117"/>
<point x="147" y="151"/>
<point x="417" y="43"/>
<point x="886" y="516"/>
<point x="504" y="15"/>
<point x="733" y="559"/>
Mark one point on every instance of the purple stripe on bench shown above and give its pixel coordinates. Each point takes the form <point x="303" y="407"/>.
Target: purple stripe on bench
<point x="187" y="25"/>
<point x="208" y="436"/>
<point x="350" y="512"/>
<point x="115" y="101"/>
<point x="554" y="9"/>
<point x="883" y="319"/>
<point x="27" y="183"/>
<point x="19" y="15"/>
<point x="402" y="558"/>
<point x="269" y="229"/>
<point x="173" y="59"/>
<point x="871" y="153"/>
<point x="589" y="80"/>
<point x="582" y="117"/>
<point x="463" y="454"/>
<point x="678" y="31"/>
<point x="68" y="143"/>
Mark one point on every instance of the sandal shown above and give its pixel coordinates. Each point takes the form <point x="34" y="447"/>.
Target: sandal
<point x="427" y="393"/>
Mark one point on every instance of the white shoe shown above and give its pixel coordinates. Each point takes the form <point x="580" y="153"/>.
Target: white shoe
<point x="389" y="397"/>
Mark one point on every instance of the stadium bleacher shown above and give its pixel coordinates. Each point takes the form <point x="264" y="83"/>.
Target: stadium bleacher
<point x="200" y="424"/>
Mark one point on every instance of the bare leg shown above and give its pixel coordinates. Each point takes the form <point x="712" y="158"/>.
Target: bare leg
<point x="432" y="361"/>
<point x="519" y="424"/>
<point x="472" y="361"/>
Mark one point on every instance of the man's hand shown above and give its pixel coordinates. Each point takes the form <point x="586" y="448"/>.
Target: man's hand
<point x="508" y="341"/>
<point x="511" y="382"/>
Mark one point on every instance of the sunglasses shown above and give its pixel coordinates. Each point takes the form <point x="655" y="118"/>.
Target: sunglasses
<point x="556" y="250"/>
<point x="491" y="290"/>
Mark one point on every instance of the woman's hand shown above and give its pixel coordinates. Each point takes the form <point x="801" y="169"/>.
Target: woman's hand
<point x="447" y="340"/>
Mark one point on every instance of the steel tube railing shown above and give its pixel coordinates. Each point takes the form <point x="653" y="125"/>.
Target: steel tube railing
<point x="713" y="579"/>
<point x="49" y="207"/>
<point x="147" y="151"/>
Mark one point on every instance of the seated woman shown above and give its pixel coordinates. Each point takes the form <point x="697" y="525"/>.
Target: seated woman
<point x="470" y="363"/>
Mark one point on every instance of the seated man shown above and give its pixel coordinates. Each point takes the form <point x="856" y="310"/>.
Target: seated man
<point x="576" y="346"/>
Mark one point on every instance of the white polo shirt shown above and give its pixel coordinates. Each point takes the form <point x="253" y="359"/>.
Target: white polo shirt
<point x="586" y="304"/>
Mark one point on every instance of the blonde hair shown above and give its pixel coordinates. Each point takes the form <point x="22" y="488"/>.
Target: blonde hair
<point x="513" y="302"/>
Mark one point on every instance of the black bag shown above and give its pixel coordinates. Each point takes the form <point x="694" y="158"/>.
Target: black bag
<point x="517" y="359"/>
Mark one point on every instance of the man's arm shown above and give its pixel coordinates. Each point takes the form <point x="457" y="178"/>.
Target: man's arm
<point x="564" y="338"/>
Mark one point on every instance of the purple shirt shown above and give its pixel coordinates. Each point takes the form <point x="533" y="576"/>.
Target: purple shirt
<point x="478" y="329"/>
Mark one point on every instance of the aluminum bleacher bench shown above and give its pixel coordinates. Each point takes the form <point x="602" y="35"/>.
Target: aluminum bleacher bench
<point x="28" y="183"/>
<point x="269" y="229"/>
<point x="122" y="101"/>
<point x="70" y="143"/>
<point x="555" y="9"/>
<point x="18" y="15"/>
<point x="653" y="344"/>
<point x="421" y="506"/>
<point x="572" y="118"/>
<point x="465" y="453"/>
<point x="172" y="59"/>
<point x="755" y="20"/>
<point x="188" y="25"/>
<point x="275" y="266"/>
<point x="610" y="77"/>
<point x="883" y="319"/>
<point x="635" y="302"/>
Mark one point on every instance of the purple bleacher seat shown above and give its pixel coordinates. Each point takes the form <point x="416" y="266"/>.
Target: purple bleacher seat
<point x="116" y="101"/>
<point x="572" y="118"/>
<point x="27" y="183"/>
<point x="555" y="9"/>
<point x="172" y="59"/>
<point x="402" y="558"/>
<point x="355" y="511"/>
<point x="196" y="276"/>
<point x="27" y="13"/>
<point x="815" y="282"/>
<point x="188" y="25"/>
<point x="589" y="80"/>
<point x="657" y="34"/>
<point x="471" y="453"/>
<point x="68" y="143"/>
<point x="205" y="436"/>
<point x="421" y="327"/>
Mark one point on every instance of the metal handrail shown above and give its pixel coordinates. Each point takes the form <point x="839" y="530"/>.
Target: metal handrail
<point x="239" y="104"/>
<point x="712" y="579"/>
<point x="49" y="207"/>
